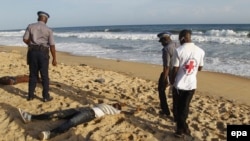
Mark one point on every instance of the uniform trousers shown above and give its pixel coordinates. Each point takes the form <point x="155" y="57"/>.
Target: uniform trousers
<point x="38" y="62"/>
<point x="162" y="95"/>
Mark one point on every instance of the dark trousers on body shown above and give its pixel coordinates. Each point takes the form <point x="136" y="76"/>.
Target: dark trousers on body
<point x="73" y="118"/>
<point x="38" y="62"/>
<point x="181" y="102"/>
<point x="162" y="95"/>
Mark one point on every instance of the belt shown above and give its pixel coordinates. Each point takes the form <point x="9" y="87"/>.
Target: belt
<point x="38" y="48"/>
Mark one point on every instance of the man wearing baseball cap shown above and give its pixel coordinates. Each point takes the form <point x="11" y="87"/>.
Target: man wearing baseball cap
<point x="167" y="52"/>
<point x="39" y="38"/>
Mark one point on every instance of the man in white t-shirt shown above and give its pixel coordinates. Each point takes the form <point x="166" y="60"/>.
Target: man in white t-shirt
<point x="73" y="116"/>
<point x="187" y="61"/>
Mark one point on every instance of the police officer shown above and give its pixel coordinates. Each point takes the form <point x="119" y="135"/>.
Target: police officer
<point x="39" y="38"/>
<point x="167" y="51"/>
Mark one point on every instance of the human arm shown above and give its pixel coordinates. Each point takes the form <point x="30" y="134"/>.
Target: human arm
<point x="201" y="61"/>
<point x="26" y="41"/>
<point x="168" y="60"/>
<point x="132" y="112"/>
<point x="173" y="75"/>
<point x="127" y="113"/>
<point x="166" y="56"/>
<point x="52" y="48"/>
<point x="165" y="75"/>
<point x="200" y="68"/>
<point x="175" y="67"/>
<point x="26" y="36"/>
<point x="53" y="53"/>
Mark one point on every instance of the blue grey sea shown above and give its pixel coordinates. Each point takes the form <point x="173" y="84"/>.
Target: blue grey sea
<point x="227" y="46"/>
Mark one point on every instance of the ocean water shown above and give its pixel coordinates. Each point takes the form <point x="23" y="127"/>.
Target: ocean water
<point x="227" y="46"/>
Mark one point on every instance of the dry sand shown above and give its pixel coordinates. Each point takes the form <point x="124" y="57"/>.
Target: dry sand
<point x="220" y="99"/>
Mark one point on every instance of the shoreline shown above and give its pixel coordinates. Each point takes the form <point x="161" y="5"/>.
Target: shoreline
<point x="231" y="87"/>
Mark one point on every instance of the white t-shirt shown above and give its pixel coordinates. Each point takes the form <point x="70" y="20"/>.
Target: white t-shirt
<point x="105" y="109"/>
<point x="188" y="58"/>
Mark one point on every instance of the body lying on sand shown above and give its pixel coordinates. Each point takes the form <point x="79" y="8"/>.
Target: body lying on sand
<point x="13" y="80"/>
<point x="73" y="117"/>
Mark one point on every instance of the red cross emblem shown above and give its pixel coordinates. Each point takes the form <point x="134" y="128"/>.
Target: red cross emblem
<point x="189" y="66"/>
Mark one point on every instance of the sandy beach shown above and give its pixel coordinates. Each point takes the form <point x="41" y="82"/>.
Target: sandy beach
<point x="220" y="99"/>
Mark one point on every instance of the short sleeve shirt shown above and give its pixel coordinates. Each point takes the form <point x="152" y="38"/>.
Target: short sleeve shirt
<point x="39" y="34"/>
<point x="188" y="58"/>
<point x="167" y="53"/>
<point x="105" y="109"/>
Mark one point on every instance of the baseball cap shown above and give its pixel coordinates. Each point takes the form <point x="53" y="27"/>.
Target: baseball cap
<point x="42" y="13"/>
<point x="163" y="34"/>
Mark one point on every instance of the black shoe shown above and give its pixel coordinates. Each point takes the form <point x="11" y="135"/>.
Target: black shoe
<point x="47" y="99"/>
<point x="178" y="134"/>
<point x="164" y="113"/>
<point x="30" y="98"/>
<point x="187" y="132"/>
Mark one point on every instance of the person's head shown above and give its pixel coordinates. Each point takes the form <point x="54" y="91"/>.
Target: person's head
<point x="42" y="16"/>
<point x="7" y="80"/>
<point x="118" y="106"/>
<point x="164" y="38"/>
<point x="185" y="36"/>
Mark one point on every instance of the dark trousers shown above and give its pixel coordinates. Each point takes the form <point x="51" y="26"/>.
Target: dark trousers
<point x="162" y="95"/>
<point x="181" y="102"/>
<point x="38" y="62"/>
<point x="73" y="118"/>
